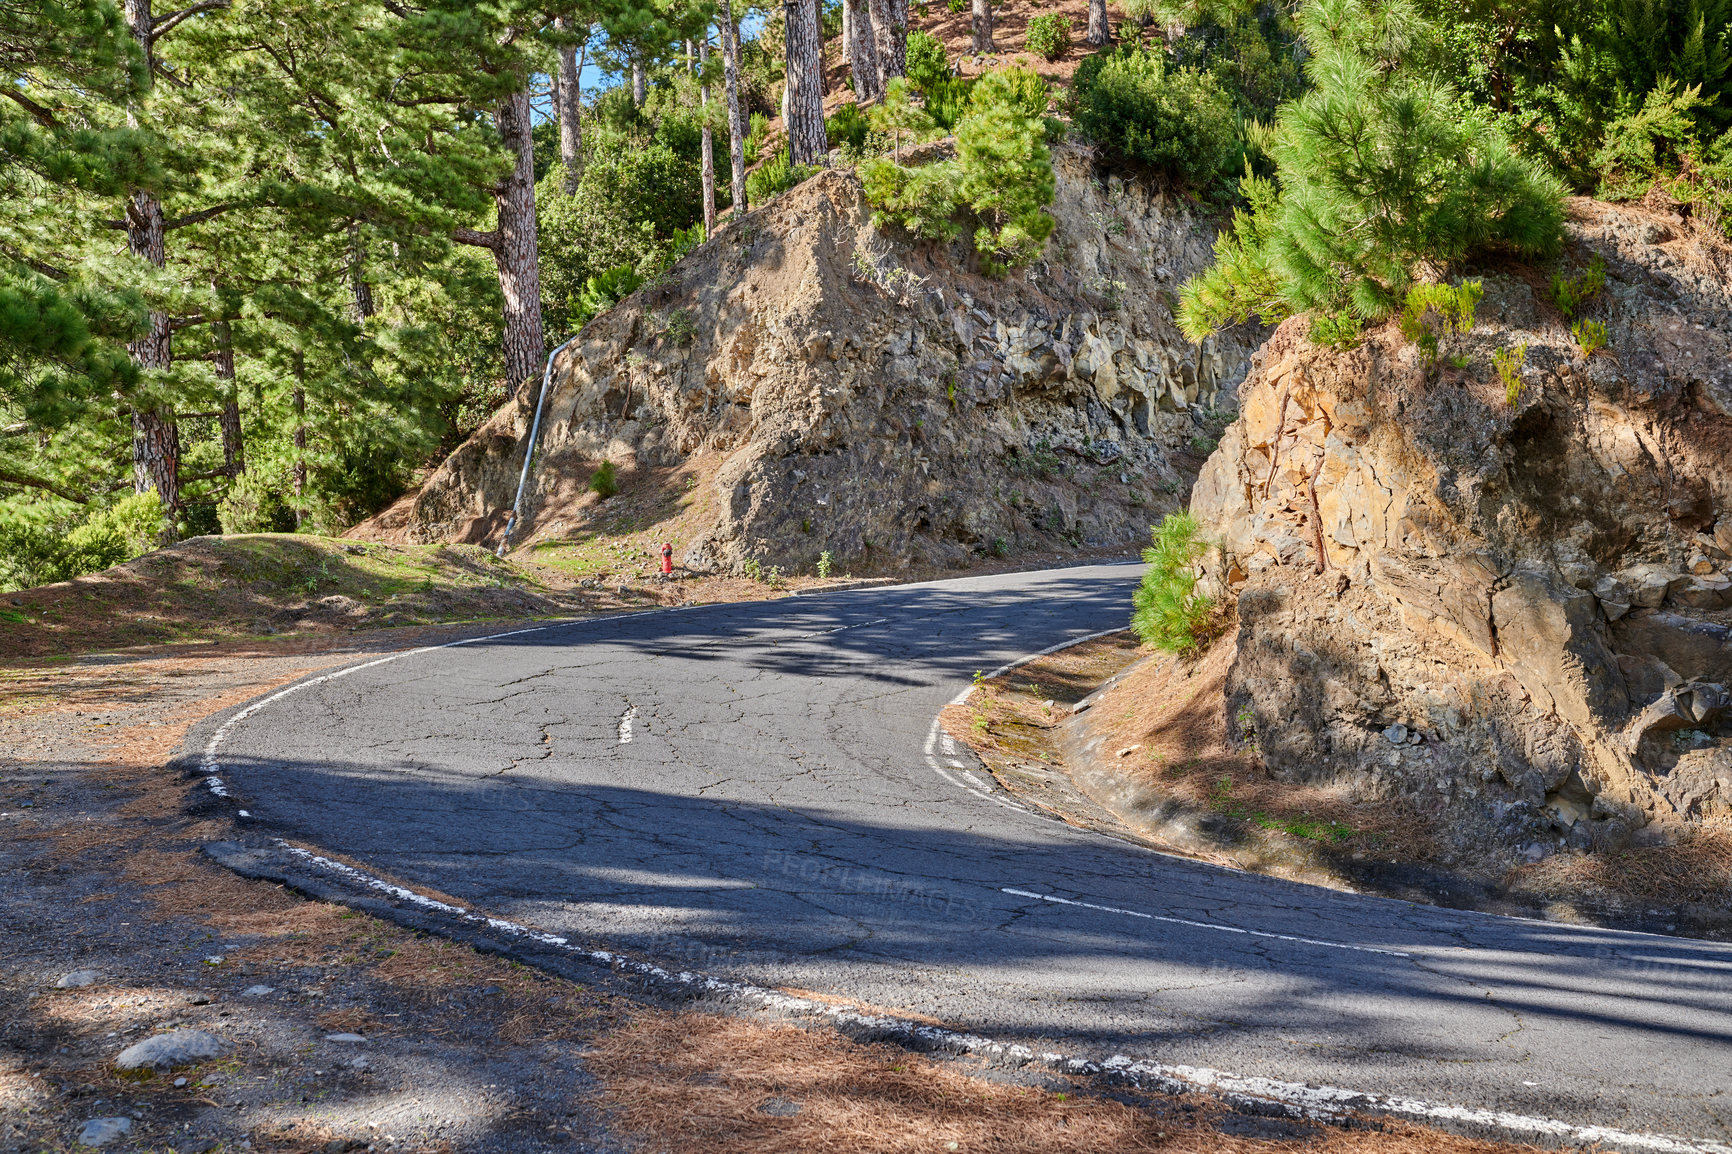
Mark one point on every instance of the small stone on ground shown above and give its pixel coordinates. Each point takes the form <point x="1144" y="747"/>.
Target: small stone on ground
<point x="102" y="1131"/>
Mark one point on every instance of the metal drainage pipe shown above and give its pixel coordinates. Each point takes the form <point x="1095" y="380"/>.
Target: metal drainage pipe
<point x="529" y="453"/>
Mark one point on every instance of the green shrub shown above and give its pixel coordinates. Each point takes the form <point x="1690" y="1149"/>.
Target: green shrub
<point x="1435" y="312"/>
<point x="956" y="7"/>
<point x="602" y="291"/>
<point x="1019" y="89"/>
<point x="774" y="177"/>
<point x="256" y="503"/>
<point x="1168" y="612"/>
<point x="1590" y="336"/>
<point x="1383" y="170"/>
<point x="1571" y="293"/>
<point x="847" y="127"/>
<point x="631" y="198"/>
<point x="1048" y="36"/>
<point x="1002" y="173"/>
<point x="927" y="64"/>
<point x="947" y="101"/>
<point x="922" y="199"/>
<point x="757" y="129"/>
<point x="1176" y="120"/>
<point x="1508" y="363"/>
<point x="604" y="482"/>
<point x="1006" y="169"/>
<point x="41" y="553"/>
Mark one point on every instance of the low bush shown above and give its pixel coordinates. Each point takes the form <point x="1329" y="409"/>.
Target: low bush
<point x="927" y="64"/>
<point x="1571" y="293"/>
<point x="1178" y="120"/>
<point x="604" y="482"/>
<point x="847" y="127"/>
<point x="1002" y="173"/>
<point x="1168" y="612"/>
<point x="601" y="292"/>
<point x="1048" y="36"/>
<point x="43" y="553"/>
<point x="1434" y="314"/>
<point x="947" y="101"/>
<point x="256" y="503"/>
<point x="774" y="177"/>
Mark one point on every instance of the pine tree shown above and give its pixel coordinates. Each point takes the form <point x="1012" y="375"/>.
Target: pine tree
<point x="1383" y="170"/>
<point x="805" y="87"/>
<point x="736" y="120"/>
<point x="980" y="24"/>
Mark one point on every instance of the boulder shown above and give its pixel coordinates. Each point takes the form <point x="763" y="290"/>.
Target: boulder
<point x="175" y="1048"/>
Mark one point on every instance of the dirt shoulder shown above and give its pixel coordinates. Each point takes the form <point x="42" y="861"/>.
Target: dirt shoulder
<point x="1111" y="735"/>
<point x="341" y="1031"/>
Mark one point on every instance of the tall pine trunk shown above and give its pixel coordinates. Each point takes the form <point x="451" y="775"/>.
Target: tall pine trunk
<point x="805" y="92"/>
<point x="1098" y="33"/>
<point x="709" y="145"/>
<point x="568" y="105"/>
<point x="155" y="436"/>
<point x="736" y="122"/>
<point x="514" y="248"/>
<point x="983" y="27"/>
<point x="890" y="27"/>
<point x="299" y="471"/>
<point x="638" y="89"/>
<point x="860" y="45"/>
<point x="360" y="292"/>
<point x="229" y="421"/>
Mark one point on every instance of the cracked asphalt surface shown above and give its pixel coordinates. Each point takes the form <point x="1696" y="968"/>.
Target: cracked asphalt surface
<point x="745" y="789"/>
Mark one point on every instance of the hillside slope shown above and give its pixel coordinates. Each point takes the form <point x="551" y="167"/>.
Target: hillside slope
<point x="1514" y="614"/>
<point x="807" y="385"/>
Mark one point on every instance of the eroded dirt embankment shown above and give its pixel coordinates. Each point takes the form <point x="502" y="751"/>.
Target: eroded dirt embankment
<point x="1116" y="738"/>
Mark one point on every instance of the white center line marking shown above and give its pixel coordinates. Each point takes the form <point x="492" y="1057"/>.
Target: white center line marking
<point x="625" y="720"/>
<point x="1207" y="925"/>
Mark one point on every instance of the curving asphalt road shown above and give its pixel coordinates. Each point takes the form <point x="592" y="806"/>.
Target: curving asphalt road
<point x="747" y="789"/>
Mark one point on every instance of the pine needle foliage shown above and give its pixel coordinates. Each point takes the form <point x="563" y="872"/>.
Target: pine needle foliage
<point x="1384" y="171"/>
<point x="1242" y="283"/>
<point x="1001" y="176"/>
<point x="1177" y="120"/>
<point x="1168" y="612"/>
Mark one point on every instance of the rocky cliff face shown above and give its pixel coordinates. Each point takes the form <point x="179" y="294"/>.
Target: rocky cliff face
<point x="844" y="392"/>
<point x="1519" y="615"/>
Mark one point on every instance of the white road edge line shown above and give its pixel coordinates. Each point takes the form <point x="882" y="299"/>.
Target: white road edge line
<point x="936" y="732"/>
<point x="1318" y="1103"/>
<point x="1208" y="925"/>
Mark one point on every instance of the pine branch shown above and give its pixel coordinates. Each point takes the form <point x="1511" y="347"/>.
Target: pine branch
<point x="8" y="477"/>
<point x="41" y="115"/>
<point x="163" y="25"/>
<point x="201" y="215"/>
<point x="486" y="240"/>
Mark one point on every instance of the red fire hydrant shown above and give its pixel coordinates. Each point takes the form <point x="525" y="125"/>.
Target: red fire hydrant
<point x="667" y="560"/>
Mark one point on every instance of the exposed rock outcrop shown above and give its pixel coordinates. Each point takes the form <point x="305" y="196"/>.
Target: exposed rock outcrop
<point x="1516" y="613"/>
<point x="873" y="399"/>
